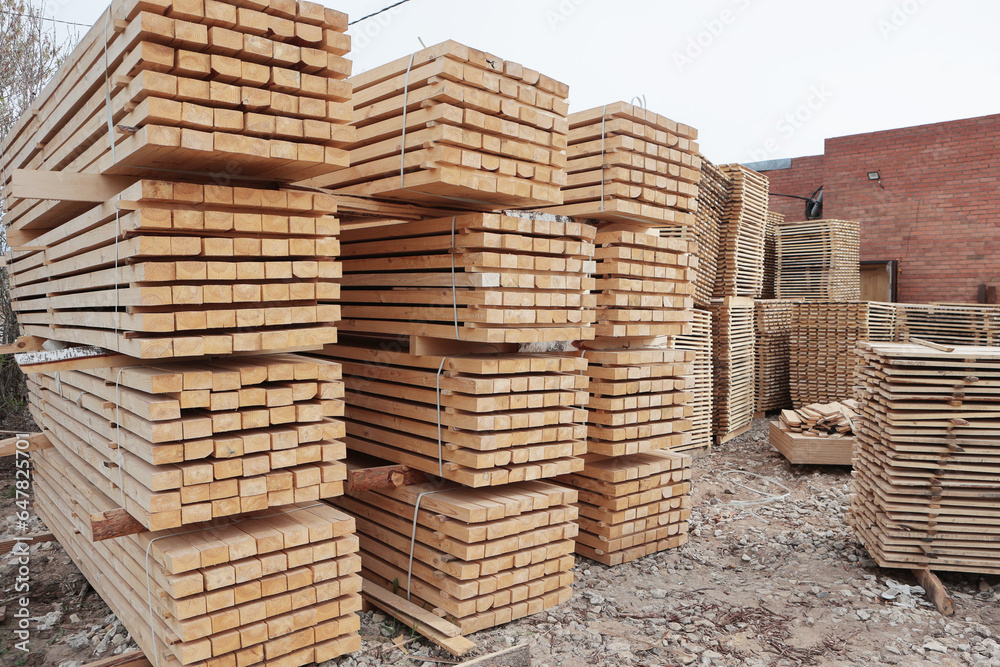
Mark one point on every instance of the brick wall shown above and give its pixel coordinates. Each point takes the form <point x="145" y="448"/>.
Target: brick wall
<point x="937" y="209"/>
<point x="802" y="179"/>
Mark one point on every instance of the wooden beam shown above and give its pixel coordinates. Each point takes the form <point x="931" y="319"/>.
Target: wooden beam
<point x="23" y="344"/>
<point x="66" y="186"/>
<point x="932" y="345"/>
<point x="936" y="591"/>
<point x="383" y="477"/>
<point x="441" y="632"/>
<point x="39" y="538"/>
<point x="8" y="447"/>
<point x="109" y="360"/>
<point x="515" y="656"/>
<point x="114" y="523"/>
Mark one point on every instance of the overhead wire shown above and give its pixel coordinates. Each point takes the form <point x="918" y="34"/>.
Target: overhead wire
<point x="381" y="11"/>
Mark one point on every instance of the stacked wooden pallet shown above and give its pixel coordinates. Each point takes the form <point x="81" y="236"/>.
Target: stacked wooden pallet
<point x="279" y="587"/>
<point x="454" y="124"/>
<point x="734" y="366"/>
<point x="823" y="342"/>
<point x="630" y="165"/>
<point x="818" y="260"/>
<point x="633" y="506"/>
<point x="476" y="419"/>
<point x="481" y="277"/>
<point x="178" y="269"/>
<point x="700" y="384"/>
<point x="479" y="558"/>
<point x="949" y="324"/>
<point x="773" y="323"/>
<point x="741" y="246"/>
<point x="774" y="220"/>
<point x="925" y="482"/>
<point x="180" y="444"/>
<point x="713" y="193"/>
<point x="241" y="89"/>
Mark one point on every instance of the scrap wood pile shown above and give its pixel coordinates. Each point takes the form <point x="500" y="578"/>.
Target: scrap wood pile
<point x="821" y="419"/>
<point x="740" y="269"/>
<point x="773" y="324"/>
<point x="628" y="164"/>
<point x="733" y="357"/>
<point x="823" y="341"/>
<point x="925" y="480"/>
<point x="774" y="220"/>
<point x="818" y="260"/>
<point x="454" y="125"/>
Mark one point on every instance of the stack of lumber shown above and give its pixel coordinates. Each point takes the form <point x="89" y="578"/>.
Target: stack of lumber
<point x="481" y="277"/>
<point x="639" y="400"/>
<point x="741" y="244"/>
<point x="949" y="324"/>
<point x="644" y="285"/>
<point x="633" y="506"/>
<point x="454" y="124"/>
<point x="926" y="483"/>
<point x="773" y="323"/>
<point x="774" y="220"/>
<point x="823" y="343"/>
<point x="241" y="89"/>
<point x="168" y="269"/>
<point x="818" y="260"/>
<point x="480" y="420"/>
<point x="733" y="344"/>
<point x="278" y="587"/>
<point x="478" y="558"/>
<point x="700" y="385"/>
<point x="821" y="419"/>
<point x="630" y="165"/>
<point x="179" y="444"/>
<point x="713" y="193"/>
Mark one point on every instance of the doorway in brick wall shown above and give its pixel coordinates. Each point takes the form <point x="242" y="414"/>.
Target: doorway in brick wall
<point x="878" y="280"/>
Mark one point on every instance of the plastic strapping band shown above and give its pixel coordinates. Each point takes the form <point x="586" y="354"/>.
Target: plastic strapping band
<point x="406" y="98"/>
<point x="149" y="547"/>
<point x="604" y="135"/>
<point x="440" y="439"/>
<point x="118" y="433"/>
<point x="454" y="279"/>
<point x="413" y="539"/>
<point x="107" y="89"/>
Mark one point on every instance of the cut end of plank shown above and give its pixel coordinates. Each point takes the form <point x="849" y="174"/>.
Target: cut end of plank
<point x="113" y="523"/>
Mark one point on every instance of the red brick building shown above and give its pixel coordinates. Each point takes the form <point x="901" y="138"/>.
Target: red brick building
<point x="934" y="206"/>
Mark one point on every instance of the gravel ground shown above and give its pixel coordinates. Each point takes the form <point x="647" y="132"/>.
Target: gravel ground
<point x="767" y="579"/>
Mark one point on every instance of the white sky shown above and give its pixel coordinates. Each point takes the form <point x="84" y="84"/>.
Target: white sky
<point x="738" y="70"/>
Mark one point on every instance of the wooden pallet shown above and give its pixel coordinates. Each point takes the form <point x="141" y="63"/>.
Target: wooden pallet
<point x="482" y="277"/>
<point x="243" y="91"/>
<point x="818" y="260"/>
<point x="182" y="444"/>
<point x="734" y="365"/>
<point x="279" y="585"/>
<point x="480" y="558"/>
<point x="926" y="457"/>
<point x="801" y="449"/>
<point x="632" y="506"/>
<point x="453" y="125"/>
<point x="742" y="235"/>
<point x="822" y="346"/>
<point x="476" y="419"/>
<point x="630" y="165"/>
<point x="713" y="193"/>
<point x="773" y="325"/>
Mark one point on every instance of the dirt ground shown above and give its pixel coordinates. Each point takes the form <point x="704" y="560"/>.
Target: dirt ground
<point x="767" y="579"/>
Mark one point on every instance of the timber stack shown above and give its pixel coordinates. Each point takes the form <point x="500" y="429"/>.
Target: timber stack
<point x="632" y="170"/>
<point x="924" y="483"/>
<point x="734" y="366"/>
<point x="150" y="222"/>
<point x="818" y="261"/>
<point x="773" y="324"/>
<point x="949" y="324"/>
<point x="699" y="341"/>
<point x="823" y="342"/>
<point x="774" y="220"/>
<point x="455" y="330"/>
<point x="741" y="245"/>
